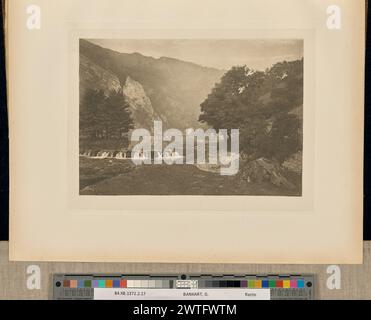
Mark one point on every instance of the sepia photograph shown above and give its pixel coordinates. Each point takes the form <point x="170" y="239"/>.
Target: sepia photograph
<point x="178" y="137"/>
<point x="191" y="117"/>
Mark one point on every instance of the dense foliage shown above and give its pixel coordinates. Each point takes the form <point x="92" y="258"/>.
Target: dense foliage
<point x="104" y="118"/>
<point x="267" y="108"/>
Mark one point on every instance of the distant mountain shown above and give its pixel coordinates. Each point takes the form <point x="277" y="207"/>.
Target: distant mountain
<point x="166" y="89"/>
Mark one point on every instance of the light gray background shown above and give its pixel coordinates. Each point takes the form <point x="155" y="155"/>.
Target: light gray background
<point x="355" y="279"/>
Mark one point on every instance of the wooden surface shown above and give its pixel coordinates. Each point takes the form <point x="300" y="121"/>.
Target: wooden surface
<point x="355" y="279"/>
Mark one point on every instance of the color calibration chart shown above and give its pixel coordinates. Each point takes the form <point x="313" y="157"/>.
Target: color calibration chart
<point x="183" y="287"/>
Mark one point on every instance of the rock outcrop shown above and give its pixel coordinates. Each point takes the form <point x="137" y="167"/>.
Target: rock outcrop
<point x="264" y="170"/>
<point x="140" y="105"/>
<point x="294" y="163"/>
<point x="93" y="76"/>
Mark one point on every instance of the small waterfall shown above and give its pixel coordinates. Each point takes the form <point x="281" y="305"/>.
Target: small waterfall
<point x="120" y="155"/>
<point x="124" y="155"/>
<point x="172" y="155"/>
<point x="86" y="153"/>
<point x="142" y="155"/>
<point x="106" y="154"/>
<point x="127" y="154"/>
<point x="102" y="155"/>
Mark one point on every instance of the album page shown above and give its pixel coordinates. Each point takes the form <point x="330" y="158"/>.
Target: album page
<point x="186" y="131"/>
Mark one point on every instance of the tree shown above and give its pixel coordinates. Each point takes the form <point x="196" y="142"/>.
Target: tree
<point x="117" y="115"/>
<point x="104" y="117"/>
<point x="90" y="111"/>
<point x="259" y="105"/>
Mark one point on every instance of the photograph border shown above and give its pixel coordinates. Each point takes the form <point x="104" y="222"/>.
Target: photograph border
<point x="122" y="204"/>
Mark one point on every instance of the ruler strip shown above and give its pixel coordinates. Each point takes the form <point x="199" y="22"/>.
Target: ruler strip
<point x="132" y="287"/>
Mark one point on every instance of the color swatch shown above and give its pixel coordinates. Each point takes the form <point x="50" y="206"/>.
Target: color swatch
<point x="86" y="287"/>
<point x="126" y="283"/>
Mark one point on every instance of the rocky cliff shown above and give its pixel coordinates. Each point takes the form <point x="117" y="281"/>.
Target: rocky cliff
<point x="95" y="77"/>
<point x="140" y="105"/>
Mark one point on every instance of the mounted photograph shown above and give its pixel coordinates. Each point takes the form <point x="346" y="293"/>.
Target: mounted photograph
<point x="191" y="117"/>
<point x="174" y="136"/>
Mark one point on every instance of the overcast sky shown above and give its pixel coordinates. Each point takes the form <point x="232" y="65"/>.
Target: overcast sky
<point x="221" y="54"/>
